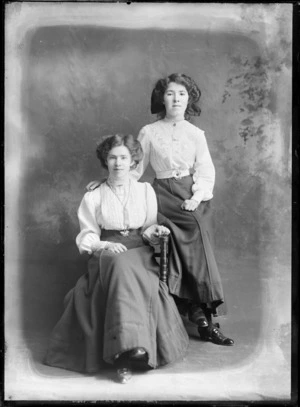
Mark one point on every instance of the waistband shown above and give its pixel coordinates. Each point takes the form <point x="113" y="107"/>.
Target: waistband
<point x="107" y="233"/>
<point x="177" y="174"/>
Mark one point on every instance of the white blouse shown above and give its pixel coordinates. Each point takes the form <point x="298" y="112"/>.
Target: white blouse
<point x="178" y="146"/>
<point x="101" y="209"/>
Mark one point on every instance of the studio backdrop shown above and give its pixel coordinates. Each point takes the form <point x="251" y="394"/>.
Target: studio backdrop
<point x="71" y="80"/>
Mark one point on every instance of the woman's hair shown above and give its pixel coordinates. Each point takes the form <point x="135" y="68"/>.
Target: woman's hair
<point x="127" y="140"/>
<point x="157" y="97"/>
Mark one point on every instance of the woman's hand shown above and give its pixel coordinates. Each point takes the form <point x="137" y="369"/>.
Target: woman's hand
<point x="190" y="205"/>
<point x="160" y="231"/>
<point x="92" y="185"/>
<point x="116" y="247"/>
<point x="153" y="233"/>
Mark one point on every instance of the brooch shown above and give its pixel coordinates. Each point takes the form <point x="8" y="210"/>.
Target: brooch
<point x="124" y="232"/>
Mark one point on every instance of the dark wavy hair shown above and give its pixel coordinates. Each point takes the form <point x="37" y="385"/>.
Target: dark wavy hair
<point x="157" y="97"/>
<point x="109" y="142"/>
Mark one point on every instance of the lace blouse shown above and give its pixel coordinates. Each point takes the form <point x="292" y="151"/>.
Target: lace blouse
<point x="102" y="209"/>
<point x="178" y="146"/>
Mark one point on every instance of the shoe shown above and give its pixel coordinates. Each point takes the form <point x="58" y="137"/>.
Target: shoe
<point x="197" y="316"/>
<point x="202" y="322"/>
<point x="124" y="375"/>
<point x="215" y="336"/>
<point x="138" y="359"/>
<point x="138" y="354"/>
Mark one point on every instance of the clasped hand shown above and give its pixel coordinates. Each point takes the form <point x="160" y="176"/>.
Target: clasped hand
<point x="190" y="205"/>
<point x="154" y="232"/>
<point x="160" y="230"/>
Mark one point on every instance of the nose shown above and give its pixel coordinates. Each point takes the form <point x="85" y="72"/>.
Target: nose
<point x="118" y="161"/>
<point x="176" y="97"/>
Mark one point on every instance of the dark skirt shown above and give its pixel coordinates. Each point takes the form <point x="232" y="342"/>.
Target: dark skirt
<point x="119" y="304"/>
<point x="193" y="271"/>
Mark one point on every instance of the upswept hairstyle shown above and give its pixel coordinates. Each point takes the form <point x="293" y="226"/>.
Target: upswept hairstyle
<point x="105" y="145"/>
<point x="157" y="97"/>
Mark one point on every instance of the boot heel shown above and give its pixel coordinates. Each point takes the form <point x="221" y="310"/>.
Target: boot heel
<point x="204" y="333"/>
<point x="124" y="375"/>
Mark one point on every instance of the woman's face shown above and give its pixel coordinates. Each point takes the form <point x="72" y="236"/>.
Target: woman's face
<point x="176" y="98"/>
<point x="119" y="162"/>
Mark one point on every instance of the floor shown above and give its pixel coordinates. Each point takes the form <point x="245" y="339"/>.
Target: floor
<point x="246" y="371"/>
<point x="257" y="367"/>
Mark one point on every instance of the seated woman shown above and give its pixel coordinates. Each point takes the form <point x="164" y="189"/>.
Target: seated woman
<point x="119" y="312"/>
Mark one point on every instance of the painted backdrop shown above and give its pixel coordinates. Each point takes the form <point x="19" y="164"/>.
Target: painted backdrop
<point x="74" y="80"/>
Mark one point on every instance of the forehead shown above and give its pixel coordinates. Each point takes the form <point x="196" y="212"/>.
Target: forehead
<point x="119" y="150"/>
<point x="176" y="87"/>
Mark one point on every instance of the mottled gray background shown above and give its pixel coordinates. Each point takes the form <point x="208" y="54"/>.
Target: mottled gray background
<point x="76" y="82"/>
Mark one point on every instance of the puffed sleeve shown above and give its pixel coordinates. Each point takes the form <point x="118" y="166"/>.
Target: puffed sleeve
<point x="204" y="175"/>
<point x="88" y="240"/>
<point x="151" y="202"/>
<point x="144" y="139"/>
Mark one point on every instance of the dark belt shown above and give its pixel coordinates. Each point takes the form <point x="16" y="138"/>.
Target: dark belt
<point x="134" y="238"/>
<point x="106" y="233"/>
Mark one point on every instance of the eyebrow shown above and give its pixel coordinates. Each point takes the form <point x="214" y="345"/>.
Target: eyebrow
<point x="181" y="90"/>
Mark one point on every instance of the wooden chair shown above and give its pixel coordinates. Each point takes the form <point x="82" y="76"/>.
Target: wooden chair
<point x="163" y="258"/>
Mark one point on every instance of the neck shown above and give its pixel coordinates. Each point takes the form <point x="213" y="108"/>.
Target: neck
<point x="173" y="119"/>
<point x="117" y="181"/>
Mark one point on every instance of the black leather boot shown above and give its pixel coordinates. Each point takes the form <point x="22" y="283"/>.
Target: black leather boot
<point x="124" y="374"/>
<point x="213" y="335"/>
<point x="138" y="354"/>
<point x="197" y="316"/>
<point x="139" y="359"/>
<point x="123" y="366"/>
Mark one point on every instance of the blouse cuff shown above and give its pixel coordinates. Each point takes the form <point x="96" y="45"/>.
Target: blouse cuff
<point x="198" y="196"/>
<point x="94" y="247"/>
<point x="101" y="245"/>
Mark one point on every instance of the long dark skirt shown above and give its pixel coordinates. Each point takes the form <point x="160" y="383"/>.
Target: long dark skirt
<point x="119" y="304"/>
<point x="193" y="271"/>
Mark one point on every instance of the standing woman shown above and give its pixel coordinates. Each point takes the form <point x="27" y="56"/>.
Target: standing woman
<point x="185" y="175"/>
